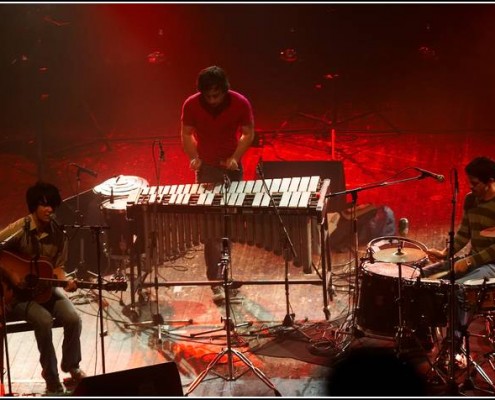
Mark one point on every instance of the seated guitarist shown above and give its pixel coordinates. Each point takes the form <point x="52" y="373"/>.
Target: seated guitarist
<point x="478" y="214"/>
<point x="37" y="238"/>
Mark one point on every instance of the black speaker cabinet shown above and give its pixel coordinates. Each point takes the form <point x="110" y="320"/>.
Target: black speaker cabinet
<point x="333" y="170"/>
<point x="154" y="380"/>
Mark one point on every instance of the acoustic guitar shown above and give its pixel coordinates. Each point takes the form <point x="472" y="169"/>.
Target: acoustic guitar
<point x="36" y="278"/>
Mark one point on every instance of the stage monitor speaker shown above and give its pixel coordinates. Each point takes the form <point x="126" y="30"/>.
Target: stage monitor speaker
<point x="333" y="170"/>
<point x="154" y="380"/>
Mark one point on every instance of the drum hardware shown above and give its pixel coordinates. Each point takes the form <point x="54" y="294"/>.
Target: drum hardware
<point x="225" y="264"/>
<point x="472" y="367"/>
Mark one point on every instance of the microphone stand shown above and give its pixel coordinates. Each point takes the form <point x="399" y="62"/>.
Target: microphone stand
<point x="225" y="263"/>
<point x="289" y="319"/>
<point x="97" y="230"/>
<point x="224" y="259"/>
<point x="5" y="361"/>
<point x="451" y="383"/>
<point x="78" y="220"/>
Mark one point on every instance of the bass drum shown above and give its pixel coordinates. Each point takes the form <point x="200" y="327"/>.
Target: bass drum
<point x="378" y="311"/>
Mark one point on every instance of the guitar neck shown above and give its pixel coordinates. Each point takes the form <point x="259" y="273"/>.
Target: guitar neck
<point x="119" y="286"/>
<point x="62" y="283"/>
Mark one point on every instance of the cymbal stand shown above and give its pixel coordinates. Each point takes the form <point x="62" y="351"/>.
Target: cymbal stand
<point x="229" y="351"/>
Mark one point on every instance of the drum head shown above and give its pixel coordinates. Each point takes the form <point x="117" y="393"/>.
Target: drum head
<point x="115" y="205"/>
<point x="391" y="270"/>
<point x="120" y="185"/>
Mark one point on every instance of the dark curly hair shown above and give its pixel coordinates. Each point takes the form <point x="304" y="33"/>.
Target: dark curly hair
<point x="482" y="168"/>
<point x="212" y="77"/>
<point x="42" y="193"/>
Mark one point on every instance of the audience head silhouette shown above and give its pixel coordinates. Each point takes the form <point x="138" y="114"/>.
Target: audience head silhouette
<point x="374" y="371"/>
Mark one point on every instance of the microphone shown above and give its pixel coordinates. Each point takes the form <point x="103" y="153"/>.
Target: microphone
<point x="437" y="177"/>
<point x="53" y="218"/>
<point x="83" y="169"/>
<point x="403" y="227"/>
<point x="162" y="153"/>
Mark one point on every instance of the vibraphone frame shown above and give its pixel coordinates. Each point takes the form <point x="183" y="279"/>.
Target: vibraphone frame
<point x="174" y="202"/>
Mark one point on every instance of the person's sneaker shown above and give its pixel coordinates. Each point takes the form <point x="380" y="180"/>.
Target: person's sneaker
<point x="77" y="375"/>
<point x="460" y="361"/>
<point x="54" y="388"/>
<point x="218" y="294"/>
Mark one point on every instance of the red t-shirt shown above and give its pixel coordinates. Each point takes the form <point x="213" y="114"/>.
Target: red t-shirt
<point x="217" y="132"/>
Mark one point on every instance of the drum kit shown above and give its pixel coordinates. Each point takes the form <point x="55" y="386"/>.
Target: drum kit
<point x="395" y="300"/>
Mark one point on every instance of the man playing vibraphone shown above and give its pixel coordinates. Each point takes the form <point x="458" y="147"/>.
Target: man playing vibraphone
<point x="217" y="128"/>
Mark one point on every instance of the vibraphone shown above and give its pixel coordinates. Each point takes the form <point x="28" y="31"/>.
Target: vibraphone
<point x="178" y="217"/>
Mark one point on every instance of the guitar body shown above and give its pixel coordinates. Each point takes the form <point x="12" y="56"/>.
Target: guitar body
<point x="24" y="273"/>
<point x="36" y="278"/>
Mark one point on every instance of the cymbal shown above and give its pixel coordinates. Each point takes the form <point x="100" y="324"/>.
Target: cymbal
<point x="488" y="232"/>
<point x="121" y="185"/>
<point x="396" y="255"/>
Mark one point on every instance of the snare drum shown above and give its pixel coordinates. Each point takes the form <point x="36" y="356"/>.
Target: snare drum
<point x="480" y="296"/>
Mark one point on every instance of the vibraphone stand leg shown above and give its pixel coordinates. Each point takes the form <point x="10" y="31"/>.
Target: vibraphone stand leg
<point x="229" y="351"/>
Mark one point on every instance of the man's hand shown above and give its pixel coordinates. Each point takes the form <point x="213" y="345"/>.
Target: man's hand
<point x="437" y="255"/>
<point x="195" y="163"/>
<point x="230" y="163"/>
<point x="462" y="266"/>
<point x="71" y="285"/>
<point x="59" y="273"/>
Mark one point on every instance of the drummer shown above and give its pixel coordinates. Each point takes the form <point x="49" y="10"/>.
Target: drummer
<point x="475" y="228"/>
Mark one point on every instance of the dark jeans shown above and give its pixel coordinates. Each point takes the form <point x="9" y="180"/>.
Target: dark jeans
<point x="41" y="316"/>
<point x="213" y="245"/>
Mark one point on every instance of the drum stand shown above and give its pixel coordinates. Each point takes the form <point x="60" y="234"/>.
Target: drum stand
<point x="229" y="351"/>
<point x="468" y="383"/>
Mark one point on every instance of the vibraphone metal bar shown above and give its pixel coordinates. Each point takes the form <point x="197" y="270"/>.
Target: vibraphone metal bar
<point x="188" y="214"/>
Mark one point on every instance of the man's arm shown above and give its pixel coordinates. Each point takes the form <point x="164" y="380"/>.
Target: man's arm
<point x="247" y="137"/>
<point x="190" y="145"/>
